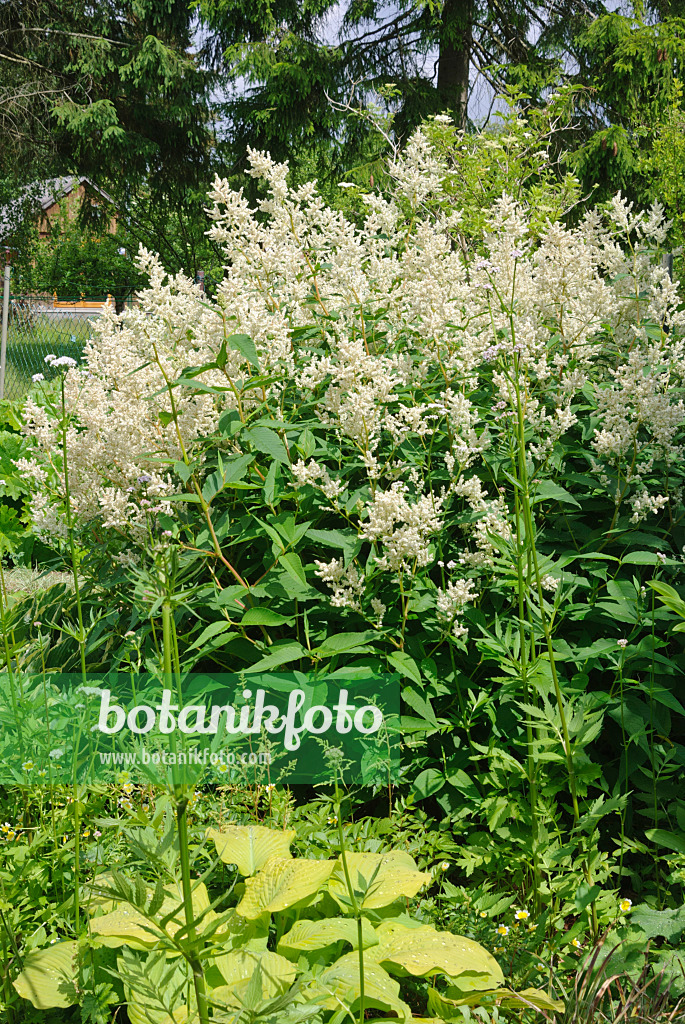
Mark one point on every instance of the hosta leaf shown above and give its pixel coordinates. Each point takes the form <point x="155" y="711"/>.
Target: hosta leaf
<point x="536" y="996"/>
<point x="423" y="951"/>
<point x="308" y="936"/>
<point x="48" y="978"/>
<point x="277" y="975"/>
<point x="250" y="846"/>
<point x="340" y="984"/>
<point x="127" y="926"/>
<point x="282" y="883"/>
<point x="448" y="1005"/>
<point x="383" y="878"/>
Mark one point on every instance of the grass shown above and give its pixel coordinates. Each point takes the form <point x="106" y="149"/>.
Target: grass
<point x="28" y="343"/>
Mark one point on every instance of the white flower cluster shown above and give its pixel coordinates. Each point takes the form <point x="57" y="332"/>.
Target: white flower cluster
<point x="351" y="320"/>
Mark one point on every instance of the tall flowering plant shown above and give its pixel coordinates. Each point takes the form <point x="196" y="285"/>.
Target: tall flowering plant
<point x="391" y="438"/>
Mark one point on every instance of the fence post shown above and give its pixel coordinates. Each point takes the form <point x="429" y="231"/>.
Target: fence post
<point x="3" y="338"/>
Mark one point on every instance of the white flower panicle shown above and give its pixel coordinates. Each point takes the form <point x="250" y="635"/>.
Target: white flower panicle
<point x="352" y="319"/>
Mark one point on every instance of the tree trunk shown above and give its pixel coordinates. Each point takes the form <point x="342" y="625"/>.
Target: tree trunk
<point x="455" y="57"/>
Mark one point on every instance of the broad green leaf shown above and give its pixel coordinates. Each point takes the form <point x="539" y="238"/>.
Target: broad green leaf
<point x="667" y="924"/>
<point x="428" y="782"/>
<point x="128" y="926"/>
<point x="308" y="936"/>
<point x="268" y="442"/>
<point x="212" y="630"/>
<point x="383" y="877"/>
<point x="282" y="883"/>
<point x="244" y="344"/>
<point x="341" y="642"/>
<point x="237" y="968"/>
<point x="250" y="846"/>
<point x="669" y="596"/>
<point x="340" y="984"/>
<point x="229" y="473"/>
<point x="405" y="665"/>
<point x="418" y="703"/>
<point x="292" y="564"/>
<point x="662" y="837"/>
<point x="281" y="654"/>
<point x="48" y="977"/>
<point x="423" y="951"/>
<point x="539" y="999"/>
<point x="547" y="490"/>
<point x="264" y="617"/>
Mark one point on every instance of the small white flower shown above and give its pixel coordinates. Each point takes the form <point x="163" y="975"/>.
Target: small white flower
<point x="622" y="643"/>
<point x="36" y="377"/>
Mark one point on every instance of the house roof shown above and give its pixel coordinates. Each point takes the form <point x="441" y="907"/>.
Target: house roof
<point x="41" y="195"/>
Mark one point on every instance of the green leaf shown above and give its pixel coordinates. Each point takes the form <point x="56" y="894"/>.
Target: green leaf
<point x="669" y="596"/>
<point x="280" y="655"/>
<point x="309" y="936"/>
<point x="429" y="781"/>
<point x="641" y="558"/>
<point x="250" y="846"/>
<point x="48" y="977"/>
<point x="339" y="985"/>
<point x="269" y="442"/>
<point x="244" y="344"/>
<point x="662" y="837"/>
<point x="292" y="564"/>
<point x="276" y="975"/>
<point x="667" y="924"/>
<point x="421" y="705"/>
<point x="547" y="490"/>
<point x="585" y="895"/>
<point x="229" y="473"/>
<point x="423" y="951"/>
<point x="405" y="665"/>
<point x="282" y="883"/>
<point x="210" y="631"/>
<point x="264" y="617"/>
<point x="380" y="878"/>
<point x="342" y="642"/>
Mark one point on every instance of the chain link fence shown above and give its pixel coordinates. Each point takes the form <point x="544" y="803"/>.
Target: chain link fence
<point x="38" y="326"/>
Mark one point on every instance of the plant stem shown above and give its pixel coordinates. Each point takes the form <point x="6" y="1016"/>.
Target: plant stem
<point x="193" y="959"/>
<point x="70" y="531"/>
<point x="353" y="900"/>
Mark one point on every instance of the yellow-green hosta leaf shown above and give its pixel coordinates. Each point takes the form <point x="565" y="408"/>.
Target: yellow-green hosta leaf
<point x="127" y="926"/>
<point x="48" y="978"/>
<point x="307" y="936"/>
<point x="540" y="1000"/>
<point x="424" y="951"/>
<point x="448" y="1004"/>
<point x="282" y="883"/>
<point x="250" y="846"/>
<point x="237" y="968"/>
<point x="383" y="877"/>
<point x="339" y="983"/>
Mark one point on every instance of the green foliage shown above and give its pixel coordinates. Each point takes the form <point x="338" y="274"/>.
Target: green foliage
<point x="76" y="261"/>
<point x="310" y="939"/>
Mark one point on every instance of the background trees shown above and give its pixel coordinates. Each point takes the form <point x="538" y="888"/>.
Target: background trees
<point x="149" y="97"/>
